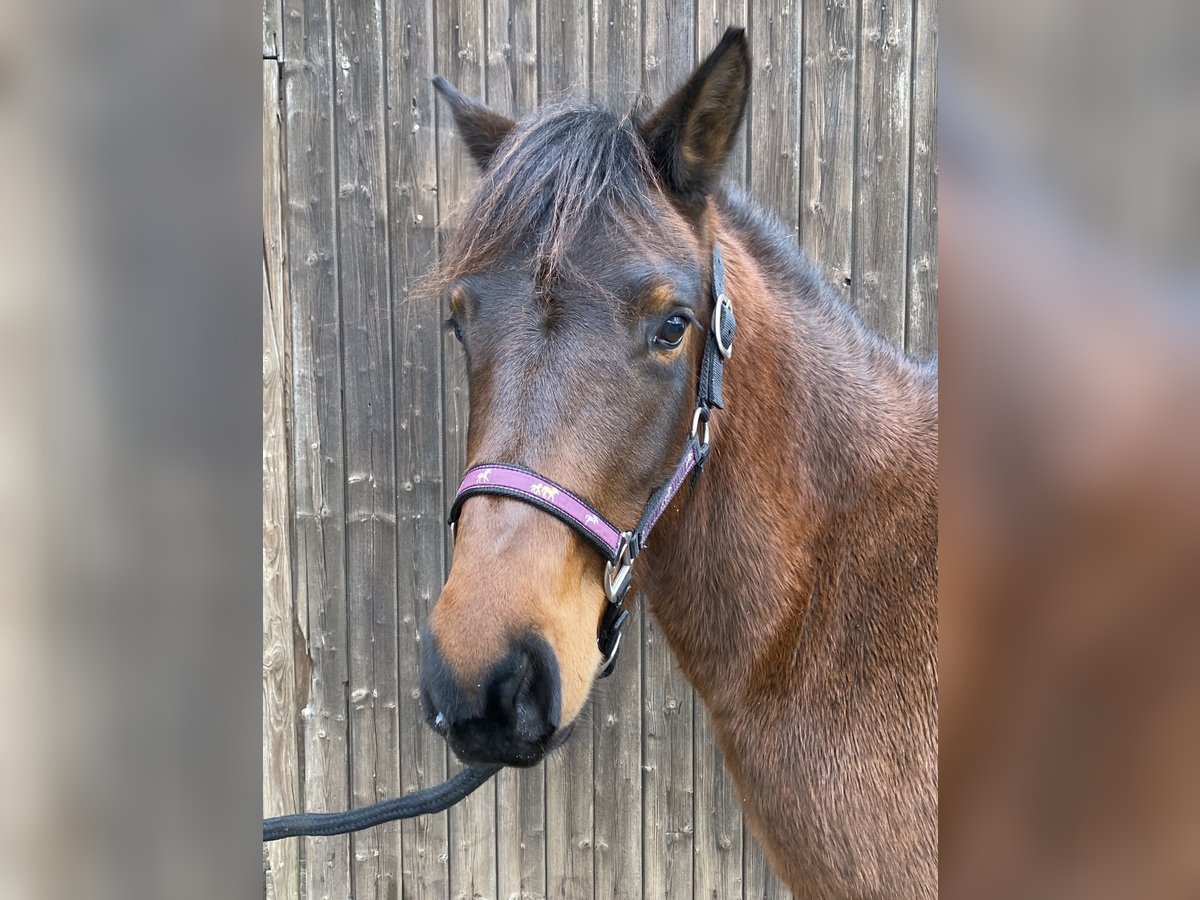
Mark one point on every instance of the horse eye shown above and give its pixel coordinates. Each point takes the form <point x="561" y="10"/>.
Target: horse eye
<point x="452" y="325"/>
<point x="671" y="332"/>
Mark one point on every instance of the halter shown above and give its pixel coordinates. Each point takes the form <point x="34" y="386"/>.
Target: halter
<point x="620" y="548"/>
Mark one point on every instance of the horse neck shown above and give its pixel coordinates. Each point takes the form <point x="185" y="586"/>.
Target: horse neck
<point x="821" y="480"/>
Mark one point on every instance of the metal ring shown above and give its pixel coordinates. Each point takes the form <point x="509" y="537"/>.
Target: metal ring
<point x="718" y="319"/>
<point x="701" y="413"/>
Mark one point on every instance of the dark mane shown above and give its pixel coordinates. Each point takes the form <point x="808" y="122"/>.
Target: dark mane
<point x="800" y="280"/>
<point x="565" y="168"/>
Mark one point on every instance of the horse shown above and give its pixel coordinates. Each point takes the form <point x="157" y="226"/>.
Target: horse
<point x="794" y="571"/>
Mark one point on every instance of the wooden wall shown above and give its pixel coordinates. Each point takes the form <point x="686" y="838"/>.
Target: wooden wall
<point x="365" y="411"/>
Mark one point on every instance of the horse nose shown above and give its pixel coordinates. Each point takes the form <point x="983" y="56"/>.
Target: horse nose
<point x="509" y="715"/>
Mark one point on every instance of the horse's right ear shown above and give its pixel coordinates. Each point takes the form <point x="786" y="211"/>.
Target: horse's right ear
<point x="691" y="135"/>
<point x="482" y="129"/>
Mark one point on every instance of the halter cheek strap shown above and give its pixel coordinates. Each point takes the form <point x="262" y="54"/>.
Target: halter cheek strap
<point x="620" y="548"/>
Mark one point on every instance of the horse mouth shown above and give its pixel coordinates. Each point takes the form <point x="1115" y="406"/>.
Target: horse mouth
<point x="478" y="748"/>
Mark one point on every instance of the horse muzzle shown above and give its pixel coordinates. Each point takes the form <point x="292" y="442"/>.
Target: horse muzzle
<point x="509" y="715"/>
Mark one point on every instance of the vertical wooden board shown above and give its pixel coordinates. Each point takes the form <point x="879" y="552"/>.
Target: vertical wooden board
<point x="564" y="49"/>
<point x="281" y="764"/>
<point x="718" y="870"/>
<point x="272" y="18"/>
<point x="461" y="47"/>
<point x="922" y="323"/>
<point x="370" y="428"/>
<point x="830" y="51"/>
<point x="666" y="785"/>
<point x="412" y="164"/>
<point x="774" y="113"/>
<point x="520" y="793"/>
<point x="760" y="881"/>
<point x="317" y="451"/>
<point x="569" y="834"/>
<point x="512" y="61"/>
<point x="616" y="52"/>
<point x="881" y="179"/>
<point x="713" y="17"/>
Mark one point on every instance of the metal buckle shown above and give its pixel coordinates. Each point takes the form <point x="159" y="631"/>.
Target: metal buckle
<point x="617" y="578"/>
<point x="718" y="319"/>
<point x="701" y="415"/>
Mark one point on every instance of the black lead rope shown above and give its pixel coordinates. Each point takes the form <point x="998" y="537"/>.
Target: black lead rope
<point x="430" y="800"/>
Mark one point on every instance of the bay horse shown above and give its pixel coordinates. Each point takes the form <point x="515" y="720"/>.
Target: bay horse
<point x="794" y="572"/>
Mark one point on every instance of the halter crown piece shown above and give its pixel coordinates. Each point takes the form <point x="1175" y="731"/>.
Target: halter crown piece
<point x="620" y="548"/>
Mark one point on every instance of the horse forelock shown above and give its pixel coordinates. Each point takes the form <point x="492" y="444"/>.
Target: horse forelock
<point x="567" y="172"/>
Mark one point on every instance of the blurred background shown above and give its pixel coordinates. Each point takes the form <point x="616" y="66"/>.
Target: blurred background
<point x="130" y="426"/>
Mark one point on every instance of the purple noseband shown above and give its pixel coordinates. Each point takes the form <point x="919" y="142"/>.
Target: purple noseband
<point x="618" y="547"/>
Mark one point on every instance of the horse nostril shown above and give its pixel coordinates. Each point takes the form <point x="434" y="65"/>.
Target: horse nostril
<point x="512" y="714"/>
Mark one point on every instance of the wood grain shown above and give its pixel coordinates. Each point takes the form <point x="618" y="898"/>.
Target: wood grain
<point x="774" y="113"/>
<point x="317" y="446"/>
<point x="281" y="764"/>
<point x="417" y="355"/>
<point x="922" y="324"/>
<point x="881" y="178"/>
<point x="828" y="130"/>
<point x="367" y="385"/>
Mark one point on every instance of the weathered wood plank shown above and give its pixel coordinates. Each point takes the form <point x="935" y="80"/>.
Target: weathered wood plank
<point x="616" y="52"/>
<point x="461" y="48"/>
<point x="667" y="783"/>
<point x="564" y="50"/>
<point x="922" y="326"/>
<point x="881" y="182"/>
<point x="370" y="428"/>
<point x="718" y="870"/>
<point x="759" y="880"/>
<point x="417" y="351"/>
<point x="317" y="451"/>
<point x="281" y="764"/>
<point x="828" y="131"/>
<point x="511" y="76"/>
<point x="774" y="113"/>
<point x="272" y="23"/>
<point x="712" y="18"/>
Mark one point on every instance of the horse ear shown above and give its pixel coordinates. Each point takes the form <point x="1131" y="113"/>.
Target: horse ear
<point x="482" y="129"/>
<point x="691" y="135"/>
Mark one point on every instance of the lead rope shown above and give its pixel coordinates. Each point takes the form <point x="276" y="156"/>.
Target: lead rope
<point x="430" y="800"/>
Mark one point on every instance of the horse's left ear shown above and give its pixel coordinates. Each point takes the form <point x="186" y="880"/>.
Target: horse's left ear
<point x="482" y="129"/>
<point x="691" y="135"/>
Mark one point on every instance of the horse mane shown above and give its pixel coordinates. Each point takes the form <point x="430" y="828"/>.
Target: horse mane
<point x="567" y="167"/>
<point x="776" y="250"/>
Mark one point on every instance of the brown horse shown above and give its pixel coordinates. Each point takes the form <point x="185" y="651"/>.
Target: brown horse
<point x="795" y="579"/>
